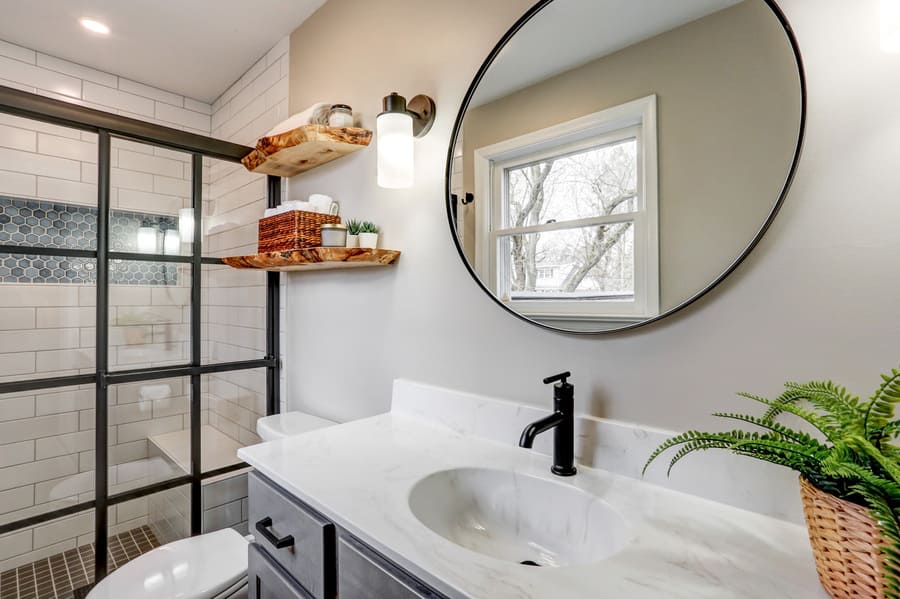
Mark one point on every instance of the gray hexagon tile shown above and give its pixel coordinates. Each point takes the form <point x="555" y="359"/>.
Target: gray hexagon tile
<point x="58" y="225"/>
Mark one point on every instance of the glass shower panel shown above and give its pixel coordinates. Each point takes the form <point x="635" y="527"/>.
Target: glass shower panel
<point x="235" y="401"/>
<point x="51" y="559"/>
<point x="149" y="436"/>
<point x="48" y="185"/>
<point x="150" y="199"/>
<point x="233" y="202"/>
<point x="167" y="515"/>
<point x="47" y="316"/>
<point x="46" y="452"/>
<point x="233" y="314"/>
<point x="150" y="307"/>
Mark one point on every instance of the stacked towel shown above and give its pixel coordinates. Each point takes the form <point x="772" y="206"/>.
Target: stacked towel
<point x="318" y="203"/>
<point x="317" y="114"/>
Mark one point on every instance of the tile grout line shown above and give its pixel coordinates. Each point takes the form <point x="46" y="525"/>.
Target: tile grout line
<point x="52" y="579"/>
<point x="83" y="567"/>
<point x="68" y="572"/>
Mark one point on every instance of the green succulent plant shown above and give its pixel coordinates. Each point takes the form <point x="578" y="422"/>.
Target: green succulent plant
<point x="368" y="227"/>
<point x="353" y="227"/>
<point x="851" y="454"/>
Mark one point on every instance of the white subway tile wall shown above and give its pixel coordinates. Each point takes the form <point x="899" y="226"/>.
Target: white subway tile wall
<point x="47" y="450"/>
<point x="236" y="199"/>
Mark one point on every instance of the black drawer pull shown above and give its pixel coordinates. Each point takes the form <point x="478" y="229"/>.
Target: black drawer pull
<point x="263" y="528"/>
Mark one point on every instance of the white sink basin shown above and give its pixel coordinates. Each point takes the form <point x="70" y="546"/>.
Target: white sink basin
<point x="518" y="518"/>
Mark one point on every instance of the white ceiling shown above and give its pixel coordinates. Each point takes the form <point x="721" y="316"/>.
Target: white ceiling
<point x="569" y="33"/>
<point x="196" y="48"/>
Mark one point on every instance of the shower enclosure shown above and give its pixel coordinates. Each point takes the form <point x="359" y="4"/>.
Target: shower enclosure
<point x="133" y="363"/>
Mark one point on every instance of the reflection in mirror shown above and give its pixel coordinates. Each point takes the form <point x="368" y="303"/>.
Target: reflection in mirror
<point x="623" y="155"/>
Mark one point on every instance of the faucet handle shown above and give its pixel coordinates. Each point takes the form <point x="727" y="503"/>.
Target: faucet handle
<point x="562" y="376"/>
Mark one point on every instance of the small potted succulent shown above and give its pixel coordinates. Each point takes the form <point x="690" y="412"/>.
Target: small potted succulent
<point x="368" y="235"/>
<point x="353" y="227"/>
<point x="849" y="466"/>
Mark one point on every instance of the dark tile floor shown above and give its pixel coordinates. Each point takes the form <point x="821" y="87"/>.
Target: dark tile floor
<point x="60" y="575"/>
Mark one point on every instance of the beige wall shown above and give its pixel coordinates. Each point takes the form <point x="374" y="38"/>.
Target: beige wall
<point x="728" y="112"/>
<point x="817" y="298"/>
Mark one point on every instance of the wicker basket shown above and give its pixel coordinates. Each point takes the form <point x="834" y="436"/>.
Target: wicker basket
<point x="845" y="542"/>
<point x="295" y="230"/>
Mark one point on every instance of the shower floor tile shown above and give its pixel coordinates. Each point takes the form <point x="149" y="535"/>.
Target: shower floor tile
<point x="60" y="576"/>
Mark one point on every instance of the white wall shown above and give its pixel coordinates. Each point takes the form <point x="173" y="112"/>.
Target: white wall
<point x="818" y="298"/>
<point x="243" y="113"/>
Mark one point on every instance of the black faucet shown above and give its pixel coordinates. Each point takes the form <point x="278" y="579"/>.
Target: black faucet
<point x="563" y="420"/>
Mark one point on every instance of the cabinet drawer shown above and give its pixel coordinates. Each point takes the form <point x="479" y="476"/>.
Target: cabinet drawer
<point x="364" y="574"/>
<point x="294" y="535"/>
<point x="267" y="580"/>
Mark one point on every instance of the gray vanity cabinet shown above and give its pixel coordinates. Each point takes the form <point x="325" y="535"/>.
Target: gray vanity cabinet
<point x="267" y="580"/>
<point x="299" y="554"/>
<point x="295" y="536"/>
<point x="364" y="574"/>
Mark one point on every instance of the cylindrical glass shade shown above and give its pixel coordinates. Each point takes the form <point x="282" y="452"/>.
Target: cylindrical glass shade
<point x="890" y="26"/>
<point x="396" y="158"/>
<point x="147" y="240"/>
<point x="171" y="242"/>
<point x="186" y="225"/>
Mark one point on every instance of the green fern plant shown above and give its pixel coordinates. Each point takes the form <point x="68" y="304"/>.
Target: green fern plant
<point x="851" y="455"/>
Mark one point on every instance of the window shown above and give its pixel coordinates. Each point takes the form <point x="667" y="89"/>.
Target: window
<point x="570" y="228"/>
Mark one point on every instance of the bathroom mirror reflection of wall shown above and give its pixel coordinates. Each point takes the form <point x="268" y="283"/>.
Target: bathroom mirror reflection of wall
<point x="624" y="156"/>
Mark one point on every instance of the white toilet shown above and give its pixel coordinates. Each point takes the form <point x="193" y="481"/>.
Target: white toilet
<point x="278" y="426"/>
<point x="209" y="566"/>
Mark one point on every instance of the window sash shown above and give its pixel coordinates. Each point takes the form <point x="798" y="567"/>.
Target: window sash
<point x="567" y="305"/>
<point x="633" y="120"/>
<point x="500" y="169"/>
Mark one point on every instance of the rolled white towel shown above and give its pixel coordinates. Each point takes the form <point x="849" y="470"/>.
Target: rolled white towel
<point x="149" y="392"/>
<point x="317" y="114"/>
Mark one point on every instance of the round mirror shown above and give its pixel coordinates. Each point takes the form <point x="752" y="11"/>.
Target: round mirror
<point x="616" y="159"/>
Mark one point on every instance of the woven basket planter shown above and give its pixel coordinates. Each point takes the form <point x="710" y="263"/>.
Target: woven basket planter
<point x="845" y="542"/>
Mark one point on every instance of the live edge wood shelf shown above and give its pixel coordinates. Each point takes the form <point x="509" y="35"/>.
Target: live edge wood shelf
<point x="304" y="148"/>
<point x="315" y="259"/>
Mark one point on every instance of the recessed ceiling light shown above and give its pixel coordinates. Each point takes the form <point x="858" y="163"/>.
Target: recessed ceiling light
<point x="95" y="26"/>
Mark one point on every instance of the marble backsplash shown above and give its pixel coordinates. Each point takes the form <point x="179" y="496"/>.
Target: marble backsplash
<point x="617" y="447"/>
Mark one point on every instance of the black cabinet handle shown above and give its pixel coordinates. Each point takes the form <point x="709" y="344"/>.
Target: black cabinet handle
<point x="262" y="527"/>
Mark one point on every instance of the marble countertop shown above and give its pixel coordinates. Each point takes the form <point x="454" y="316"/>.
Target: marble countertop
<point x="359" y="475"/>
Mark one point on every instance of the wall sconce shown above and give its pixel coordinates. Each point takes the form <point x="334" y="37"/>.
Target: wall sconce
<point x="396" y="128"/>
<point x="186" y="225"/>
<point x="890" y="26"/>
<point x="147" y="242"/>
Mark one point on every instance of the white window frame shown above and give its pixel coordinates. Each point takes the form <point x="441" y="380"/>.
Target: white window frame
<point x="636" y="119"/>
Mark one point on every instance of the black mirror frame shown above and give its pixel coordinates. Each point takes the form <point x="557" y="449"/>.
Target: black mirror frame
<point x="467" y="99"/>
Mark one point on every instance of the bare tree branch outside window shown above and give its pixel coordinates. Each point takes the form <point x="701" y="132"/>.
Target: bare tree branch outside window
<point x="585" y="261"/>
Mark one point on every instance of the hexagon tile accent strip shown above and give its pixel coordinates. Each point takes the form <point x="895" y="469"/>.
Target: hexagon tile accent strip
<point x="66" y="226"/>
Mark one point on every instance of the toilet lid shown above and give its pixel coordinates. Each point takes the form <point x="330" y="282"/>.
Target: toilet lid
<point x="196" y="568"/>
<point x="289" y="424"/>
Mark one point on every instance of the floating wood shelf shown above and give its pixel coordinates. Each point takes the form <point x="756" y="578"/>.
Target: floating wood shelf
<point x="304" y="148"/>
<point x="315" y="259"/>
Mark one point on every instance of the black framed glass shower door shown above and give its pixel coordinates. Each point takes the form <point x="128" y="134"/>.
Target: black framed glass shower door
<point x="161" y="257"/>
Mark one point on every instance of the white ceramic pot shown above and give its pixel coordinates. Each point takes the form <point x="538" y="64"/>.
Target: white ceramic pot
<point x="352" y="241"/>
<point x="368" y="240"/>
